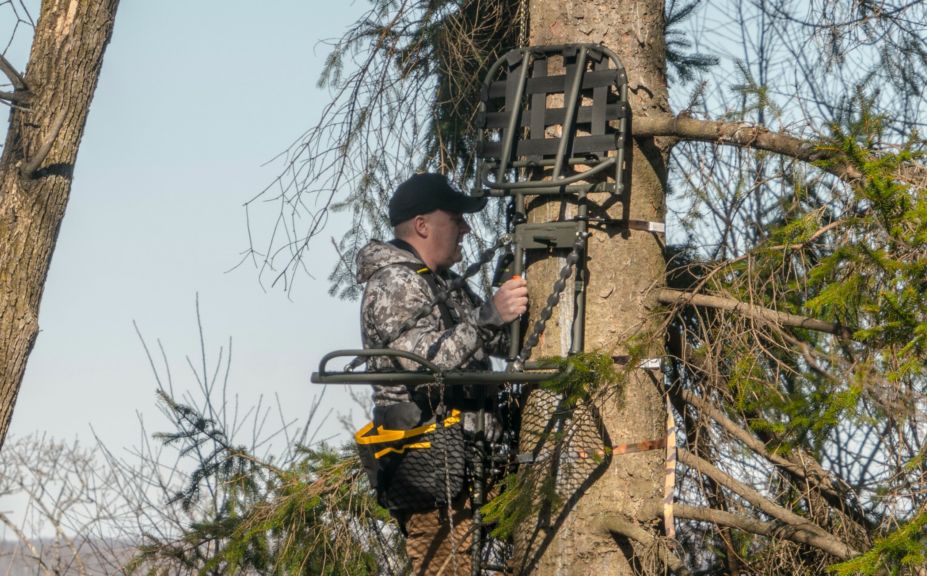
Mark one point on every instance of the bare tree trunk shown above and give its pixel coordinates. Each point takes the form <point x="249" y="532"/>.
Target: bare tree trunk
<point x="37" y="165"/>
<point x="626" y="272"/>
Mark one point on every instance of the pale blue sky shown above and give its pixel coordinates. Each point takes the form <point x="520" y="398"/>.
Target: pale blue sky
<point x="194" y="97"/>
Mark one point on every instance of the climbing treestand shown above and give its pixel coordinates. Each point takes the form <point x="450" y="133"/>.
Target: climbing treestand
<point x="553" y="128"/>
<point x="569" y="126"/>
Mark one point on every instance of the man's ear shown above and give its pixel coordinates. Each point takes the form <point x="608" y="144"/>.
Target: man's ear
<point x="421" y="226"/>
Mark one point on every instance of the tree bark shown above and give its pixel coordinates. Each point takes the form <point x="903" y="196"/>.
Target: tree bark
<point x="625" y="273"/>
<point x="37" y="167"/>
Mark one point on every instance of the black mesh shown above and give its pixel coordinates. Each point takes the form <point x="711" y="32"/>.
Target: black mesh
<point x="564" y="449"/>
<point x="422" y="471"/>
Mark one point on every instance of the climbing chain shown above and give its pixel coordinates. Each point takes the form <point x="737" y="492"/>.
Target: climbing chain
<point x="485" y="257"/>
<point x="522" y="23"/>
<point x="552" y="300"/>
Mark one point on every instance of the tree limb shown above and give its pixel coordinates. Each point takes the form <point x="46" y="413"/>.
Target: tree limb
<point x="797" y="534"/>
<point x="669" y="296"/>
<point x="739" y="134"/>
<point x="33" y="164"/>
<point x="758" y="500"/>
<point x="617" y="525"/>
<point x="14" y="97"/>
<point x="818" y="474"/>
<point x="10" y="72"/>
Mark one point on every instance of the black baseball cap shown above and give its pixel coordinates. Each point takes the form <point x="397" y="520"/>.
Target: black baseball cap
<point x="424" y="193"/>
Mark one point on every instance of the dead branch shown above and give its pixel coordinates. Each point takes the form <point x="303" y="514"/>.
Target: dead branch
<point x="619" y="526"/>
<point x="669" y="296"/>
<point x="758" y="500"/>
<point x="10" y="72"/>
<point x="793" y="533"/>
<point x="33" y="164"/>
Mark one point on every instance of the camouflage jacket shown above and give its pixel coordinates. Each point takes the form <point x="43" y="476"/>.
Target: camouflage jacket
<point x="394" y="293"/>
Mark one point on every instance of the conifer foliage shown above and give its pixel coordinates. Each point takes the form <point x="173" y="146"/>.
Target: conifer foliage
<point x="795" y="320"/>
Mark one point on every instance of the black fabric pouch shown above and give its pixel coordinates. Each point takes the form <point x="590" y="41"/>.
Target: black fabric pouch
<point x="413" y="464"/>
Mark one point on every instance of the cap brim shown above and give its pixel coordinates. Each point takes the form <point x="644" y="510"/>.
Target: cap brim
<point x="464" y="204"/>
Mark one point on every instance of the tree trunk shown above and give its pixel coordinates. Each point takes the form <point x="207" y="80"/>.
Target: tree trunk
<point x="625" y="274"/>
<point x="37" y="165"/>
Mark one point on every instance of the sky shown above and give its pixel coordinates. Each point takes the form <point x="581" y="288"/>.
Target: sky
<point x="194" y="99"/>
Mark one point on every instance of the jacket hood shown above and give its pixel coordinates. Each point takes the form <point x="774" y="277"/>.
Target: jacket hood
<point x="376" y="255"/>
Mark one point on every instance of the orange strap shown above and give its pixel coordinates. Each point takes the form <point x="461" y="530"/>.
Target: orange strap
<point x="644" y="446"/>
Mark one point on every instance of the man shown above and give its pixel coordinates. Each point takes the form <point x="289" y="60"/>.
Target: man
<point x="401" y="276"/>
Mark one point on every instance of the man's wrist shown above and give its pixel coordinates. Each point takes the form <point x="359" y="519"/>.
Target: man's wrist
<point x="489" y="316"/>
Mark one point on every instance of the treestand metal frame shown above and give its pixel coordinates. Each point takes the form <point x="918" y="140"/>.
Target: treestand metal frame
<point x="554" y="112"/>
<point x="569" y="126"/>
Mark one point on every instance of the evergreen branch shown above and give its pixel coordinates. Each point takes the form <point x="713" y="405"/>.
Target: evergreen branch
<point x="808" y="469"/>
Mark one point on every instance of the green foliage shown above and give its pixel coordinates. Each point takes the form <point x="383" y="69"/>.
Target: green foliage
<point x="522" y="495"/>
<point x="876" y="280"/>
<point x="685" y="65"/>
<point x="856" y="258"/>
<point x="315" y="515"/>
<point x="900" y="552"/>
<point x="582" y="375"/>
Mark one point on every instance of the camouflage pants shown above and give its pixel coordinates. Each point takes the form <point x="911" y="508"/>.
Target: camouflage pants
<point x="431" y="545"/>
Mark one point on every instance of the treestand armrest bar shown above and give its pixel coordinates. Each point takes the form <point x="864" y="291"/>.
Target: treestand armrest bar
<point x="426" y="374"/>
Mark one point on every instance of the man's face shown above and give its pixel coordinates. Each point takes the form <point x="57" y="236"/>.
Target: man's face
<point x="447" y="232"/>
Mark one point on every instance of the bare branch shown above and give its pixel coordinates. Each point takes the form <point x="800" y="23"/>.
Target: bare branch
<point x="773" y="529"/>
<point x="669" y="296"/>
<point x="623" y="527"/>
<point x="13" y="97"/>
<point x="10" y="72"/>
<point x="33" y="164"/>
<point x="741" y="134"/>
<point x="757" y="499"/>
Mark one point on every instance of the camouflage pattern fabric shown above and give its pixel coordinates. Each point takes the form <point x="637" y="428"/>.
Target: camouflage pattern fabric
<point x="394" y="292"/>
<point x="436" y="542"/>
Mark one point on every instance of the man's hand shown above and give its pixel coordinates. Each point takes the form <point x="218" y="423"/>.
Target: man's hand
<point x="511" y="299"/>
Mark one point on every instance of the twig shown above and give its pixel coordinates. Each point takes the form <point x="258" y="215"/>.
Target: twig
<point x="25" y="541"/>
<point x="629" y="529"/>
<point x="32" y="165"/>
